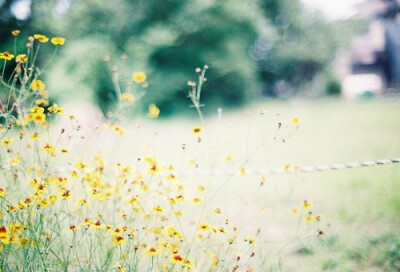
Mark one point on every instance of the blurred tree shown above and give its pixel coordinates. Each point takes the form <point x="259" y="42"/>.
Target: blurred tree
<point x="303" y="46"/>
<point x="245" y="44"/>
<point x="166" y="39"/>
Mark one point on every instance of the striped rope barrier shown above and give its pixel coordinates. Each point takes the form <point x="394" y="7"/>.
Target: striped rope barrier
<point x="280" y="171"/>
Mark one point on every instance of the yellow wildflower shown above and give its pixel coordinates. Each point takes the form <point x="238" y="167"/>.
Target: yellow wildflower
<point x="204" y="227"/>
<point x="171" y="177"/>
<point x="6" y="55"/>
<point x="49" y="149"/>
<point x="38" y="85"/>
<point x="139" y="77"/>
<point x="83" y="202"/>
<point x="53" y="199"/>
<point x="197" y="200"/>
<point x="14" y="161"/>
<point x="197" y="130"/>
<point x="309" y="218"/>
<point x="152" y="251"/>
<point x="41" y="38"/>
<point x="35" y="136"/>
<point x="306" y="204"/>
<point x="87" y="222"/>
<point x="153" y="111"/>
<point x="172" y="232"/>
<point x="158" y="209"/>
<point x="98" y="225"/>
<point x="16" y="227"/>
<point x="42" y="101"/>
<point x="287" y="166"/>
<point x="58" y="41"/>
<point x="222" y="230"/>
<point x="37" y="117"/>
<point x="73" y="228"/>
<point x="56" y="109"/>
<point x="117" y="239"/>
<point x="114" y="128"/>
<point x="242" y="171"/>
<point x="81" y="165"/>
<point x="15" y="32"/>
<point x="21" y="58"/>
<point x="24" y="241"/>
<point x="127" y="97"/>
<point x="178" y="213"/>
<point x="217" y="210"/>
<point x="7" y="142"/>
<point x="295" y="120"/>
<point x="177" y="259"/>
<point x="228" y="158"/>
<point x="250" y="240"/>
<point x="65" y="194"/>
<point x="133" y="200"/>
<point x="120" y="266"/>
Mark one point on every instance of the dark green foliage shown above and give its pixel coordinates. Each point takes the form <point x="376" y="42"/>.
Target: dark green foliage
<point x="393" y="255"/>
<point x="333" y="87"/>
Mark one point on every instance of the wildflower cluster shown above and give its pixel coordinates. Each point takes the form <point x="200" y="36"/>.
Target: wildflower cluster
<point x="64" y="209"/>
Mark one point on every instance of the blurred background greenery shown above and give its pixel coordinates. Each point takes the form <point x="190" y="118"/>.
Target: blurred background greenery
<point x="254" y="48"/>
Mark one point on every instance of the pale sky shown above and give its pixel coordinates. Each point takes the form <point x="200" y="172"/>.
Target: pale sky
<point x="334" y="9"/>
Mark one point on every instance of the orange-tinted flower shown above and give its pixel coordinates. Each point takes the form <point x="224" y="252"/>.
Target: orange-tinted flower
<point x="41" y="38"/>
<point x="21" y="58"/>
<point x="152" y="251"/>
<point x="15" y="32"/>
<point x="6" y="55"/>
<point x="117" y="239"/>
<point x="197" y="130"/>
<point x="177" y="259"/>
<point x="73" y="228"/>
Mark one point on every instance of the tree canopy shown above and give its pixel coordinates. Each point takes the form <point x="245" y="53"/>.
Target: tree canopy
<point x="248" y="45"/>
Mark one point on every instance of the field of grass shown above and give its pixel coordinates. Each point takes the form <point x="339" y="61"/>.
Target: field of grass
<point x="343" y="220"/>
<point x="360" y="208"/>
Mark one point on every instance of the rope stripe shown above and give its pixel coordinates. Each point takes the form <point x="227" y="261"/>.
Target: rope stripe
<point x="280" y="171"/>
<point x="276" y="171"/>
